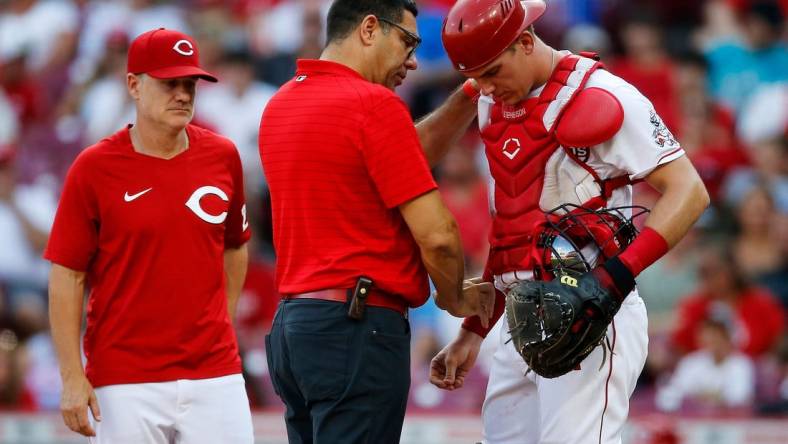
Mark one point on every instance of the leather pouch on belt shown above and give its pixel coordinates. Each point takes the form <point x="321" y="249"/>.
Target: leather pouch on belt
<point x="358" y="300"/>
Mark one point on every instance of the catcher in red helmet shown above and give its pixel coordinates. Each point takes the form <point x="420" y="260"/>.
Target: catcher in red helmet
<point x="565" y="140"/>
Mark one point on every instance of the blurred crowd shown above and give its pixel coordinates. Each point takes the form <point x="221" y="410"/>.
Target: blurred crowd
<point x="716" y="71"/>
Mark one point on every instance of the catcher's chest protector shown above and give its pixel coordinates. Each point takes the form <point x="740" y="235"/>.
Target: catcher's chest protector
<point x="519" y="141"/>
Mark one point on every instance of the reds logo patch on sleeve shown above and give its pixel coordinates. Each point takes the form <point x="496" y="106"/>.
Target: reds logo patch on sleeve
<point x="662" y="135"/>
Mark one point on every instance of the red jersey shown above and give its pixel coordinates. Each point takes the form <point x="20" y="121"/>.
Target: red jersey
<point x="340" y="154"/>
<point x="151" y="233"/>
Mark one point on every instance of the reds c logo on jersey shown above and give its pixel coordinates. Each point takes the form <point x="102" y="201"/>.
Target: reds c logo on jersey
<point x="194" y="204"/>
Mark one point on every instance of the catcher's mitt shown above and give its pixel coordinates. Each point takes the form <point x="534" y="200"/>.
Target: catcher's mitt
<point x="555" y="325"/>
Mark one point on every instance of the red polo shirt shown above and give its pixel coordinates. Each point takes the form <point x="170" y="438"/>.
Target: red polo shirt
<point x="340" y="154"/>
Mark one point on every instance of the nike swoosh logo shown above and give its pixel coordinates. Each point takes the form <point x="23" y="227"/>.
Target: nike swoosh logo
<point x="129" y="198"/>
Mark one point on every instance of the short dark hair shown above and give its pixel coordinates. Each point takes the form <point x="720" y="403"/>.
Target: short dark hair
<point x="693" y="58"/>
<point x="345" y="15"/>
<point x="769" y="12"/>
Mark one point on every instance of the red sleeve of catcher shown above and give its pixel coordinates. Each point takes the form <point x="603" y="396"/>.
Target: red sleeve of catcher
<point x="474" y="324"/>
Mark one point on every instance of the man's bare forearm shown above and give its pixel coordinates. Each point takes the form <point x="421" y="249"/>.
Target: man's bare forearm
<point x="236" y="261"/>
<point x="442" y="128"/>
<point x="66" y="294"/>
<point x="683" y="200"/>
<point x="445" y="264"/>
<point x="436" y="233"/>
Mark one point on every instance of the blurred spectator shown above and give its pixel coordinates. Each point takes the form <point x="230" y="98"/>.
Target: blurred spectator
<point x="22" y="90"/>
<point x="755" y="55"/>
<point x="259" y="297"/>
<point x="661" y="286"/>
<point x="707" y="129"/>
<point x="105" y="105"/>
<point x="754" y="248"/>
<point x="46" y="30"/>
<point x="646" y="65"/>
<point x="765" y="114"/>
<point x="8" y="319"/>
<point x="423" y="394"/>
<point x="562" y="15"/>
<point x="657" y="429"/>
<point x="464" y="191"/>
<point x="758" y="318"/>
<point x="279" y="30"/>
<point x="277" y="64"/>
<point x="26" y="213"/>
<point x="9" y="123"/>
<point x="769" y="170"/>
<point x="661" y="295"/>
<point x="130" y="17"/>
<point x="776" y="402"/>
<point x="254" y="315"/>
<point x="430" y="53"/>
<point x="588" y="38"/>
<point x="144" y="15"/>
<point x="13" y="394"/>
<point x="234" y="107"/>
<point x="777" y="280"/>
<point x="42" y="379"/>
<point x="428" y="87"/>
<point x="716" y="375"/>
<point x="426" y="397"/>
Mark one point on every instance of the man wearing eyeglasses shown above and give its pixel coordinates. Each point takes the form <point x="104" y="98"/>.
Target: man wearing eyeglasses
<point x="358" y="225"/>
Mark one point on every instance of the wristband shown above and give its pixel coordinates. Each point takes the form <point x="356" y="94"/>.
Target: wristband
<point x="646" y="249"/>
<point x="471" y="92"/>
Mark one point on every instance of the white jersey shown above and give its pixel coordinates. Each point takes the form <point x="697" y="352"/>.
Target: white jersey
<point x="642" y="144"/>
<point x="589" y="405"/>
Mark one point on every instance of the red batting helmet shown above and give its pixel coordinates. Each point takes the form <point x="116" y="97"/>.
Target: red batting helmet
<point x="475" y="32"/>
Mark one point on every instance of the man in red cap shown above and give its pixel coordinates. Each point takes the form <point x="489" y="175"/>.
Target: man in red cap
<point x="562" y="133"/>
<point x="153" y="220"/>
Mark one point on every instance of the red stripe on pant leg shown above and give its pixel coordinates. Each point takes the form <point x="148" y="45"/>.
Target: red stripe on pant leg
<point x="607" y="383"/>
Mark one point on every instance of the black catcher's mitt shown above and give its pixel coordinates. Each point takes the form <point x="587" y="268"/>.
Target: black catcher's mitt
<point x="555" y="325"/>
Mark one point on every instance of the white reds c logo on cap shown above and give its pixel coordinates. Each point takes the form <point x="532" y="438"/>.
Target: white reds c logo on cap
<point x="187" y="52"/>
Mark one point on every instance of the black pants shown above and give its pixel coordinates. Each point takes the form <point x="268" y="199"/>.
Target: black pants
<point x="342" y="381"/>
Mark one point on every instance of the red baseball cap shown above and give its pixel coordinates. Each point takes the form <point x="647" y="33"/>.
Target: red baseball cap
<point x="166" y="54"/>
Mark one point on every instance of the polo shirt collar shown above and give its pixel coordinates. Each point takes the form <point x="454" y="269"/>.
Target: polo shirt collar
<point x="314" y="66"/>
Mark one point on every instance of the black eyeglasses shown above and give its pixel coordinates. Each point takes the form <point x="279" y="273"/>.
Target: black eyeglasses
<point x="412" y="40"/>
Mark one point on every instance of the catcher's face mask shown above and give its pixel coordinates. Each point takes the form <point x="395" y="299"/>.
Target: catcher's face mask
<point x="575" y="239"/>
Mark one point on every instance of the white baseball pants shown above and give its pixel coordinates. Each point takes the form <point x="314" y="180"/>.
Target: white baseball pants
<point x="586" y="406"/>
<point x="188" y="411"/>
